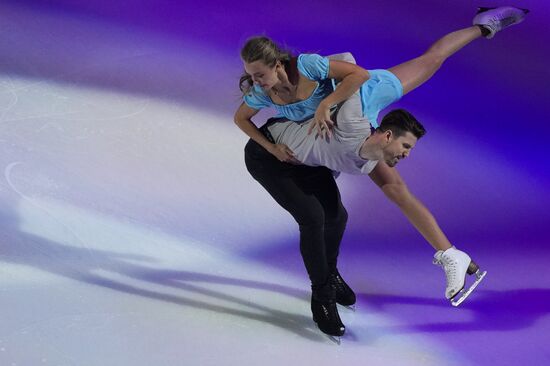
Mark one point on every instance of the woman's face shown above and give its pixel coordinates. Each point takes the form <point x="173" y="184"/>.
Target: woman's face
<point x="262" y="75"/>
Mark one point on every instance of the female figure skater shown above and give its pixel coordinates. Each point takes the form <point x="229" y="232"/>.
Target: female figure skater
<point x="299" y="88"/>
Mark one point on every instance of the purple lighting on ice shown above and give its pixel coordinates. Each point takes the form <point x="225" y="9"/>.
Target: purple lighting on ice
<point x="128" y="215"/>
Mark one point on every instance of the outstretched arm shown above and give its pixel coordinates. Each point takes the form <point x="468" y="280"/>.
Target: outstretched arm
<point x="395" y="189"/>
<point x="352" y="77"/>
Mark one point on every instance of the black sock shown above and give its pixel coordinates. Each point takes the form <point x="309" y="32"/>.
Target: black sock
<point x="484" y="30"/>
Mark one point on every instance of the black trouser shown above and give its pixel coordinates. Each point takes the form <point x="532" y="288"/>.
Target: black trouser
<point x="311" y="196"/>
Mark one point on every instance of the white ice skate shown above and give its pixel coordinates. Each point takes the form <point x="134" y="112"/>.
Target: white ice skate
<point x="456" y="265"/>
<point x="496" y="19"/>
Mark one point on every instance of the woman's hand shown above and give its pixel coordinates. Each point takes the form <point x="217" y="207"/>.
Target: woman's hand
<point x="283" y="153"/>
<point x="322" y="122"/>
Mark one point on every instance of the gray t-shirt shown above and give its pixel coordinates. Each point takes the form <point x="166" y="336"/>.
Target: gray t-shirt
<point x="341" y="152"/>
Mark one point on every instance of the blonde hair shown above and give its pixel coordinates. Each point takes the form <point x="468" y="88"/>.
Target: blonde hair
<point x="261" y="48"/>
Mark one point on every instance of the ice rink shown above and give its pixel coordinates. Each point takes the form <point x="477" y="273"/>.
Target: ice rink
<point x="132" y="234"/>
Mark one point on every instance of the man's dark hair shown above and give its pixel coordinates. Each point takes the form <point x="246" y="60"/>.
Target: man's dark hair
<point x="399" y="121"/>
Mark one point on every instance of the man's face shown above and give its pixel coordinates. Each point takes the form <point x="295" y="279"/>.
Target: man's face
<point x="262" y="75"/>
<point x="398" y="148"/>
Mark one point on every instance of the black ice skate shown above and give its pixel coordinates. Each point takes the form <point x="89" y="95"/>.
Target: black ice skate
<point x="325" y="312"/>
<point x="344" y="295"/>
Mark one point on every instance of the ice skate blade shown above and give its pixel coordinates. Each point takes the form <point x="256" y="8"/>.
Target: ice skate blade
<point x="334" y="339"/>
<point x="465" y="294"/>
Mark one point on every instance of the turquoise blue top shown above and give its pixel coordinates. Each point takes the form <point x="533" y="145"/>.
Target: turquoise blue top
<point x="313" y="67"/>
<point x="382" y="89"/>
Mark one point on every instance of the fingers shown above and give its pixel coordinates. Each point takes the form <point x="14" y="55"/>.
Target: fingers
<point x="284" y="154"/>
<point x="311" y="127"/>
<point x="295" y="161"/>
<point x="330" y="126"/>
<point x="290" y="157"/>
<point x="324" y="129"/>
<point x="289" y="152"/>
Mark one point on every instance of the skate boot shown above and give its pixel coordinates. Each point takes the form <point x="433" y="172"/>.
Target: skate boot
<point x="325" y="313"/>
<point x="456" y="265"/>
<point x="496" y="19"/>
<point x="344" y="294"/>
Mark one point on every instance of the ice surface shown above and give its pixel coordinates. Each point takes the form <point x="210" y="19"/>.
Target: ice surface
<point x="133" y="235"/>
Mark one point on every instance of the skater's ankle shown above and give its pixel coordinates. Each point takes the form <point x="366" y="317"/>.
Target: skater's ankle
<point x="484" y="30"/>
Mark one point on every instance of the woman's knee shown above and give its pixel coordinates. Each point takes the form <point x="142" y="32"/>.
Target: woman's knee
<point x="433" y="59"/>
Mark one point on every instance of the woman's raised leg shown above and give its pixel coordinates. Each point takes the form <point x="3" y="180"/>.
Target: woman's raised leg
<point x="487" y="23"/>
<point x="417" y="71"/>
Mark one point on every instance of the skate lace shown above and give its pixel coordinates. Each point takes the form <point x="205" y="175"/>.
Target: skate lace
<point x="330" y="311"/>
<point x="449" y="266"/>
<point x="501" y="21"/>
<point x="338" y="283"/>
<point x="325" y="311"/>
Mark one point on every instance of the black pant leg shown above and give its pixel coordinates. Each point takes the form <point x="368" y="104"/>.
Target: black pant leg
<point x="311" y="196"/>
<point x="321" y="183"/>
